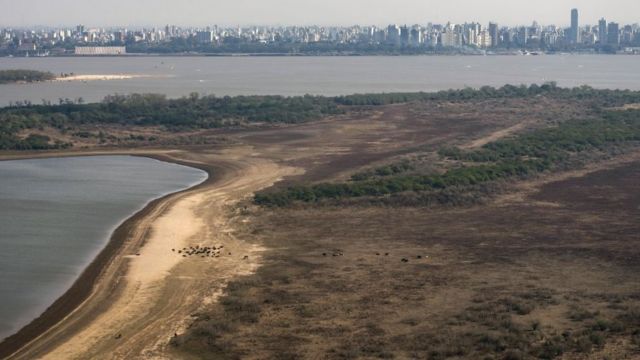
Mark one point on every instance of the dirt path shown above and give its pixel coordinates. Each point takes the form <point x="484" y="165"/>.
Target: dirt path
<point x="142" y="300"/>
<point x="496" y="135"/>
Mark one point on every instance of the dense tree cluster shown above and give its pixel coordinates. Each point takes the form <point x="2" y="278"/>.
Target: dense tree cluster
<point x="12" y="76"/>
<point x="211" y="111"/>
<point x="31" y="142"/>
<point x="600" y="97"/>
<point x="198" y="112"/>
<point x="192" y="112"/>
<point x="464" y="176"/>
<point x="391" y="169"/>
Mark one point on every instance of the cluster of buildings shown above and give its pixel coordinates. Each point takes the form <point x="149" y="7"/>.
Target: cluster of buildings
<point x="604" y="36"/>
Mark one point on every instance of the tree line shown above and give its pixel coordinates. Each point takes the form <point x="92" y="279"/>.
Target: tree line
<point x="202" y="112"/>
<point x="13" y="76"/>
<point x="600" y="97"/>
<point x="191" y="112"/>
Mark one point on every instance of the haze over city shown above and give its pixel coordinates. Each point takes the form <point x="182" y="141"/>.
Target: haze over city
<point x="289" y="12"/>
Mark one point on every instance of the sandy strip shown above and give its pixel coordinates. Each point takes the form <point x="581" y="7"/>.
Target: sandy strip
<point x="141" y="301"/>
<point x="99" y="77"/>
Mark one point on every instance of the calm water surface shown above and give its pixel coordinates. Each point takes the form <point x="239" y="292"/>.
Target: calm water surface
<point x="178" y="76"/>
<point x="57" y="214"/>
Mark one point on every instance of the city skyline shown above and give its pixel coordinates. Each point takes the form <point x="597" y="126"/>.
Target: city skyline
<point x="328" y="13"/>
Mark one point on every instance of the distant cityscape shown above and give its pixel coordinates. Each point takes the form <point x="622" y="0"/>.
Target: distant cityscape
<point x="468" y="38"/>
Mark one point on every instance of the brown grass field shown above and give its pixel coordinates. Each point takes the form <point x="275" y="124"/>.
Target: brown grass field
<point x="548" y="269"/>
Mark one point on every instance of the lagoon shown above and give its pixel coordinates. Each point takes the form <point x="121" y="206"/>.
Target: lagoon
<point x="57" y="214"/>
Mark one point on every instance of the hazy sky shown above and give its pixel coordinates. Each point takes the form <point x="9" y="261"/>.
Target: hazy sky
<point x="301" y="12"/>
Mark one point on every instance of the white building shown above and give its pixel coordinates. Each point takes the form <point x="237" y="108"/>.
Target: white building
<point x="100" y="50"/>
<point x="485" y="40"/>
<point x="451" y="36"/>
<point x="204" y="37"/>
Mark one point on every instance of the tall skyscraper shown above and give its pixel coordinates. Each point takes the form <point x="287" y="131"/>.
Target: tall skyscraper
<point x="602" y="31"/>
<point x="493" y="31"/>
<point x="613" y="34"/>
<point x="405" y="34"/>
<point x="393" y="35"/>
<point x="627" y="34"/>
<point x="416" y="36"/>
<point x="575" y="27"/>
<point x="523" y="36"/>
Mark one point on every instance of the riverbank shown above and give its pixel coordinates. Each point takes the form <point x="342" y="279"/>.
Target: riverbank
<point x="103" y="292"/>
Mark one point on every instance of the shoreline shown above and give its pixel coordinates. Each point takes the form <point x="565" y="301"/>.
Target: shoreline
<point x="83" y="286"/>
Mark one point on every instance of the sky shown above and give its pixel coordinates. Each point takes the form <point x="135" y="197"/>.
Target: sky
<point x="93" y="13"/>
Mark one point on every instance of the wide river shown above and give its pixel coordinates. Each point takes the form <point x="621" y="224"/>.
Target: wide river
<point x="57" y="214"/>
<point x="178" y="76"/>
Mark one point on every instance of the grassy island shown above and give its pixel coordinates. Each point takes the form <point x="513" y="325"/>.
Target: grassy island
<point x="489" y="223"/>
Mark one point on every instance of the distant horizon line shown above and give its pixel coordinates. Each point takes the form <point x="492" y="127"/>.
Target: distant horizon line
<point x="139" y="26"/>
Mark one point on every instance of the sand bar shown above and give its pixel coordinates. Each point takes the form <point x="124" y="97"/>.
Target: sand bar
<point x="96" y="77"/>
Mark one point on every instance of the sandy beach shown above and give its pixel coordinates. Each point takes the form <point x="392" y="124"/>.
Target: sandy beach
<point x="139" y="293"/>
<point x="95" y="77"/>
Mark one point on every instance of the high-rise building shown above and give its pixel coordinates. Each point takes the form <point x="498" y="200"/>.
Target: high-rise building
<point x="416" y="36"/>
<point x="602" y="31"/>
<point x="484" y="39"/>
<point x="627" y="34"/>
<point x="472" y="34"/>
<point x="204" y="37"/>
<point x="575" y="27"/>
<point x="508" y="37"/>
<point x="405" y="35"/>
<point x="431" y="39"/>
<point x="613" y="34"/>
<point x="379" y="36"/>
<point x="119" y="36"/>
<point x="493" y="31"/>
<point x="523" y="36"/>
<point x="550" y="38"/>
<point x="451" y="36"/>
<point x="393" y="35"/>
